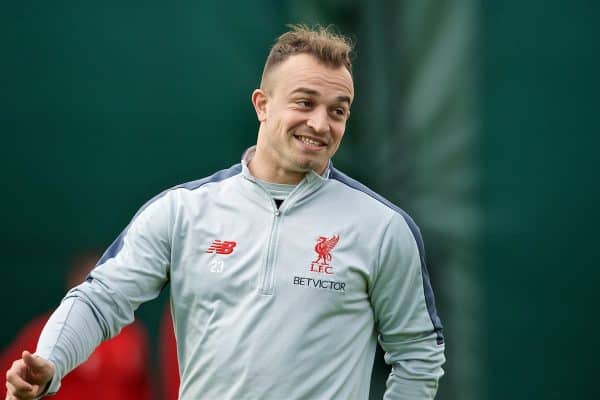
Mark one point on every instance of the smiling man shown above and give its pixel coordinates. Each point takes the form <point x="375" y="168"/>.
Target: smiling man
<point x="284" y="272"/>
<point x="303" y="105"/>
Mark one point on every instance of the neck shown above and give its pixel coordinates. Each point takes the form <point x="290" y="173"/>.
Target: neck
<point x="274" y="174"/>
<point x="266" y="166"/>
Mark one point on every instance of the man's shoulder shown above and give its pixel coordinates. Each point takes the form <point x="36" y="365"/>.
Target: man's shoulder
<point x="374" y="197"/>
<point x="360" y="188"/>
<point x="168" y="196"/>
<point x="218" y="176"/>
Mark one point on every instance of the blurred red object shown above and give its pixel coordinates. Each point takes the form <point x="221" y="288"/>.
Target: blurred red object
<point x="168" y="357"/>
<point x="117" y="370"/>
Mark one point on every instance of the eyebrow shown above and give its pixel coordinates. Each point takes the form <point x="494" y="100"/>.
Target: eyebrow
<point x="312" y="92"/>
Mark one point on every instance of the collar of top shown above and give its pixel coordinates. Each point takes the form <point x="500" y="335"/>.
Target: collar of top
<point x="311" y="178"/>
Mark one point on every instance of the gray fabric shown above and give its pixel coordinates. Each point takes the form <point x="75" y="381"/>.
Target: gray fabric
<point x="277" y="191"/>
<point x="69" y="338"/>
<point x="259" y="313"/>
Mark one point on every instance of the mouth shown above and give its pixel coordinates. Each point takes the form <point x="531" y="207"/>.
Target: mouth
<point x="312" y="142"/>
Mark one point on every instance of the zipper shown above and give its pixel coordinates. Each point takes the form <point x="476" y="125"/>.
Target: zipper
<point x="267" y="279"/>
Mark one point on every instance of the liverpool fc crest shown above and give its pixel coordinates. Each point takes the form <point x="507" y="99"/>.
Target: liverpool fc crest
<point x="323" y="249"/>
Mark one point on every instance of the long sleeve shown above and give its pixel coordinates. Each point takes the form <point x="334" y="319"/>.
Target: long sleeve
<point x="406" y="319"/>
<point x="68" y="338"/>
<point x="132" y="271"/>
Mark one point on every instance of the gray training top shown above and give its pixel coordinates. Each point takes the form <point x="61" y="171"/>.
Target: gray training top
<point x="268" y="303"/>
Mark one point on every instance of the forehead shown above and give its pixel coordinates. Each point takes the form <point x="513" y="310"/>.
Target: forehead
<point x="304" y="70"/>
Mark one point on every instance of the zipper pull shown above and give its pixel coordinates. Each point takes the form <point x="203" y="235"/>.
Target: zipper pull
<point x="277" y="213"/>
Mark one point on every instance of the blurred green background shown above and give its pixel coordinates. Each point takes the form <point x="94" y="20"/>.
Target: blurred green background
<point x="478" y="118"/>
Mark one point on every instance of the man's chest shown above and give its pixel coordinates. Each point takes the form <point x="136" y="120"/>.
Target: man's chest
<point x="315" y="255"/>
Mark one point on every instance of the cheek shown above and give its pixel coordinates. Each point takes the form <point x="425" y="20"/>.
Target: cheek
<point x="275" y="122"/>
<point x="291" y="120"/>
<point x="338" y="132"/>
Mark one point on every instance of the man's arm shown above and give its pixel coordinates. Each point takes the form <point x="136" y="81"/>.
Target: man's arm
<point x="133" y="270"/>
<point x="407" y="322"/>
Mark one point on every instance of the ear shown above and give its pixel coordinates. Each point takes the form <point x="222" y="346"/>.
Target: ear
<point x="259" y="101"/>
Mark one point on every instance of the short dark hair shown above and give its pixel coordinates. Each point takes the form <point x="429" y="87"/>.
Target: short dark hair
<point x="329" y="47"/>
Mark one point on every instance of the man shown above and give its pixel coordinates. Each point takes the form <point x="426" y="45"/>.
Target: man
<point x="284" y="272"/>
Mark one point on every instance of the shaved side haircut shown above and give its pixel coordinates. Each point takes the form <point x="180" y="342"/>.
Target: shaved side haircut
<point x="330" y="48"/>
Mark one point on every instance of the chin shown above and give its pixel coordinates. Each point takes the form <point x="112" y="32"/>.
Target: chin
<point x="311" y="165"/>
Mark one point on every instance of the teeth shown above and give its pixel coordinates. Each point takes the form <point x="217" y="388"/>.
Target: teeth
<point x="309" y="141"/>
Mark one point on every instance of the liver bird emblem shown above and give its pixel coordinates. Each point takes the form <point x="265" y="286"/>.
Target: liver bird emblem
<point x="324" y="247"/>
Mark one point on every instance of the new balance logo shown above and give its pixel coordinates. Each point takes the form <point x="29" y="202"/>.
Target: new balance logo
<point x="221" y="247"/>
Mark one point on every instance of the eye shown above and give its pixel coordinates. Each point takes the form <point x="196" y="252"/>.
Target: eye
<point x="340" y="112"/>
<point x="304" y="103"/>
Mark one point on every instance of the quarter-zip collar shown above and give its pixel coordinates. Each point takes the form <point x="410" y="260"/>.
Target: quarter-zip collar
<point x="311" y="182"/>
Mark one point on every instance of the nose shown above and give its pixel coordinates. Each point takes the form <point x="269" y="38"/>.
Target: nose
<point x="319" y="121"/>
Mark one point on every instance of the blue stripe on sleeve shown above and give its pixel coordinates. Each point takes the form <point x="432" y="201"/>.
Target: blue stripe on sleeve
<point x="427" y="289"/>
